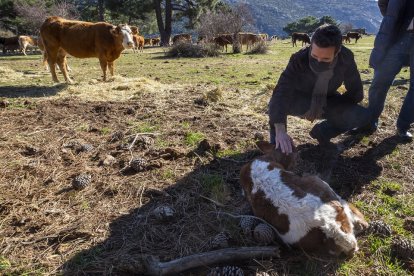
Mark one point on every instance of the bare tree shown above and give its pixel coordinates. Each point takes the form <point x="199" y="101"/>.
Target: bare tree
<point x="234" y="20"/>
<point x="345" y="27"/>
<point x="239" y="20"/>
<point x="101" y="10"/>
<point x="34" y="14"/>
<point x="64" y="9"/>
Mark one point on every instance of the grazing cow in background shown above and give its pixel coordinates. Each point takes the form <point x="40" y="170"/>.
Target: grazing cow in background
<point x="265" y="37"/>
<point x="156" y="41"/>
<point x="148" y="41"/>
<point x="11" y="44"/>
<point x="248" y="39"/>
<point x="139" y="42"/>
<point x="25" y="41"/>
<point x="182" y="38"/>
<point x="345" y="39"/>
<point x="354" y="35"/>
<point x="83" y="40"/>
<point x="301" y="37"/>
<point x="305" y="210"/>
<point x="274" y="37"/>
<point x="223" y="40"/>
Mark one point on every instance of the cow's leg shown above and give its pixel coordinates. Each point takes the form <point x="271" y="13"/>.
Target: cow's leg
<point x="44" y="62"/>
<point x="111" y="67"/>
<point x="104" y="65"/>
<point x="61" y="61"/>
<point x="24" y="48"/>
<point x="51" y="60"/>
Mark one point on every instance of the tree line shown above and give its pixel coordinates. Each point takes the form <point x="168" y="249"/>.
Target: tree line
<point x="26" y="16"/>
<point x="208" y="17"/>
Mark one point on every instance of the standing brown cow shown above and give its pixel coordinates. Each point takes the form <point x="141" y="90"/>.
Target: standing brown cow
<point x="139" y="42"/>
<point x="25" y="41"/>
<point x="83" y="40"/>
<point x="301" y="37"/>
<point x="156" y="41"/>
<point x="248" y="39"/>
<point x="223" y="40"/>
<point x="182" y="38"/>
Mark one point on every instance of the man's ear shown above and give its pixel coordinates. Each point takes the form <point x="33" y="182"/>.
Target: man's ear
<point x="265" y="147"/>
<point x="338" y="51"/>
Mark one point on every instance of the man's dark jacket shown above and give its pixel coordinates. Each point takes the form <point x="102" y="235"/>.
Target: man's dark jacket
<point x="397" y="17"/>
<point x="298" y="80"/>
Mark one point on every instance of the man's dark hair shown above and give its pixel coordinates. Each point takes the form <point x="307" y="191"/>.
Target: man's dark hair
<point x="327" y="36"/>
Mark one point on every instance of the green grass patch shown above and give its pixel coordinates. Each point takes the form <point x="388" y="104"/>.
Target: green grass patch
<point x="105" y="130"/>
<point x="4" y="264"/>
<point x="185" y="125"/>
<point x="228" y="152"/>
<point x="144" y="127"/>
<point x="214" y="186"/>
<point x="83" y="127"/>
<point x="193" y="138"/>
<point x="168" y="174"/>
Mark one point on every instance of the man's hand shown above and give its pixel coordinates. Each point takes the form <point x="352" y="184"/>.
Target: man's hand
<point x="283" y="140"/>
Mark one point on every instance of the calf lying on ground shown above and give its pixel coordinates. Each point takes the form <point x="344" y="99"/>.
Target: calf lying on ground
<point x="305" y="210"/>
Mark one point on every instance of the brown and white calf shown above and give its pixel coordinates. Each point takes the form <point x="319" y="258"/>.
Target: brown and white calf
<point x="305" y="210"/>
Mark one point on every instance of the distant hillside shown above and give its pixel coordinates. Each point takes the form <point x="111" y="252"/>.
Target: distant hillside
<point x="272" y="15"/>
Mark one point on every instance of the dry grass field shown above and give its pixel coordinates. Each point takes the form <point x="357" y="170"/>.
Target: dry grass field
<point x="193" y="123"/>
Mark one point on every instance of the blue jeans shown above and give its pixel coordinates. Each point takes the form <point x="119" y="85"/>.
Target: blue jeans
<point x="384" y="76"/>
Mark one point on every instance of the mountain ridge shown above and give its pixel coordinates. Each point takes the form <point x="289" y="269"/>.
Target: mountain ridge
<point x="272" y="15"/>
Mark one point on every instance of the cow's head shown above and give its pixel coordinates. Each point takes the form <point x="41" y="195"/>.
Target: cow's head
<point x="135" y="30"/>
<point x="2" y="40"/>
<point x="288" y="161"/>
<point x="124" y="31"/>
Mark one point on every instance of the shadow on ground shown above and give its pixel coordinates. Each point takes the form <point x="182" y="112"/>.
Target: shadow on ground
<point x="349" y="174"/>
<point x="199" y="200"/>
<point x="30" y="91"/>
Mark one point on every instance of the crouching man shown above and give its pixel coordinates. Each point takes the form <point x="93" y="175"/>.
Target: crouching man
<point x="307" y="88"/>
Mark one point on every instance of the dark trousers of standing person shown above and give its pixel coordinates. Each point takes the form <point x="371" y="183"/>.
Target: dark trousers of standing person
<point x="384" y="75"/>
<point x="341" y="115"/>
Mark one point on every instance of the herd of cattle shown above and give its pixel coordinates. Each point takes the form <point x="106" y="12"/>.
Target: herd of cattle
<point x="60" y="37"/>
<point x="305" y="38"/>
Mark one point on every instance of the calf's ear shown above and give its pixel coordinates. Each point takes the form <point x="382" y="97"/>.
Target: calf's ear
<point x="358" y="220"/>
<point x="265" y="146"/>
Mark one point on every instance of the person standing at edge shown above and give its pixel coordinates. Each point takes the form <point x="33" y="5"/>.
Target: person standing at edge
<point x="308" y="86"/>
<point x="393" y="47"/>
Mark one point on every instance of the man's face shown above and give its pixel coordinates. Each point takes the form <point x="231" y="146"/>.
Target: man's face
<point x="323" y="54"/>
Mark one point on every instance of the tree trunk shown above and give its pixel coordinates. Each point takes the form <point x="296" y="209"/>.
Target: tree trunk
<point x="236" y="43"/>
<point x="101" y="10"/>
<point x="165" y="29"/>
